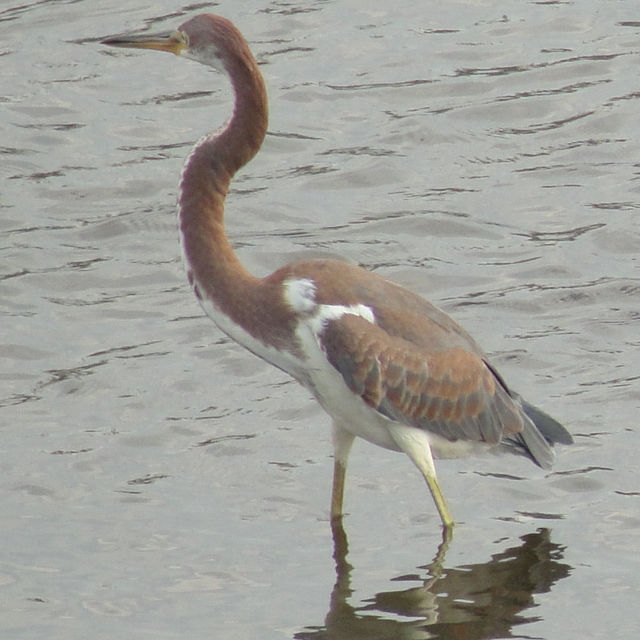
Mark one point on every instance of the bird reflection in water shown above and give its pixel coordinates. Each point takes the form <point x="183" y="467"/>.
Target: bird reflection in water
<point x="469" y="602"/>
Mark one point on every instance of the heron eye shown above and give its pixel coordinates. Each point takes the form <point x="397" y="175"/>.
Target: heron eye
<point x="180" y="36"/>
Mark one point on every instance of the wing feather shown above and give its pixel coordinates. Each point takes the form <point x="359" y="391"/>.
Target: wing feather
<point x="450" y="392"/>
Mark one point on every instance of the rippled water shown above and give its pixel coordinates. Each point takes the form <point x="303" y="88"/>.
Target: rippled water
<point x="159" y="481"/>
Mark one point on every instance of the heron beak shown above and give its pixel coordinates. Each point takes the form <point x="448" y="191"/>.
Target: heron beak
<point x="174" y="42"/>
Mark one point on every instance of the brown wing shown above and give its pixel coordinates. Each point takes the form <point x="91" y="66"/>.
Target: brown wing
<point x="451" y="392"/>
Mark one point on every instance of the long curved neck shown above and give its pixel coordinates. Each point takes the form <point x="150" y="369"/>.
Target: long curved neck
<point x="233" y="147"/>
<point x="213" y="268"/>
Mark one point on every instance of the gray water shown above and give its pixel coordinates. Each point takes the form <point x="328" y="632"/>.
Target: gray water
<point x="157" y="480"/>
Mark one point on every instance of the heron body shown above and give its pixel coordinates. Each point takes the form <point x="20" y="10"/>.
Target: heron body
<point x="384" y="363"/>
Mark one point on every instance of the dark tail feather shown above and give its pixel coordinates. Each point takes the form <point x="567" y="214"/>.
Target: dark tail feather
<point x="550" y="428"/>
<point x="539" y="432"/>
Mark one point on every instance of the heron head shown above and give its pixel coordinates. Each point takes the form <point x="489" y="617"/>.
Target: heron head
<point x="208" y="39"/>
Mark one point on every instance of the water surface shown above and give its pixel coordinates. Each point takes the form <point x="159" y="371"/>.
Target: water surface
<point x="159" y="481"/>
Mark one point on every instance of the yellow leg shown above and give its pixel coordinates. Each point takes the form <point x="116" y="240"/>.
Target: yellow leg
<point x="415" y="443"/>
<point x="337" y="493"/>
<point x="438" y="498"/>
<point x="342" y="441"/>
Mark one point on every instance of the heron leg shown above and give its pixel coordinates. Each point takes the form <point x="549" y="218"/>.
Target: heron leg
<point x="415" y="443"/>
<point x="443" y="510"/>
<point x="337" y="493"/>
<point x="342" y="442"/>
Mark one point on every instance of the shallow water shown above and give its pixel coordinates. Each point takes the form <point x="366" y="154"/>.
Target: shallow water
<point x="159" y="481"/>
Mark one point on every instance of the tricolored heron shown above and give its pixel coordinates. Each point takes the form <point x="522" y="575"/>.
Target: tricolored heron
<point x="384" y="363"/>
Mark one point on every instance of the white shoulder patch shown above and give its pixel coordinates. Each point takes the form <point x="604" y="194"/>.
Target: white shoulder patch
<point x="334" y="311"/>
<point x="300" y="294"/>
<point x="328" y="312"/>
